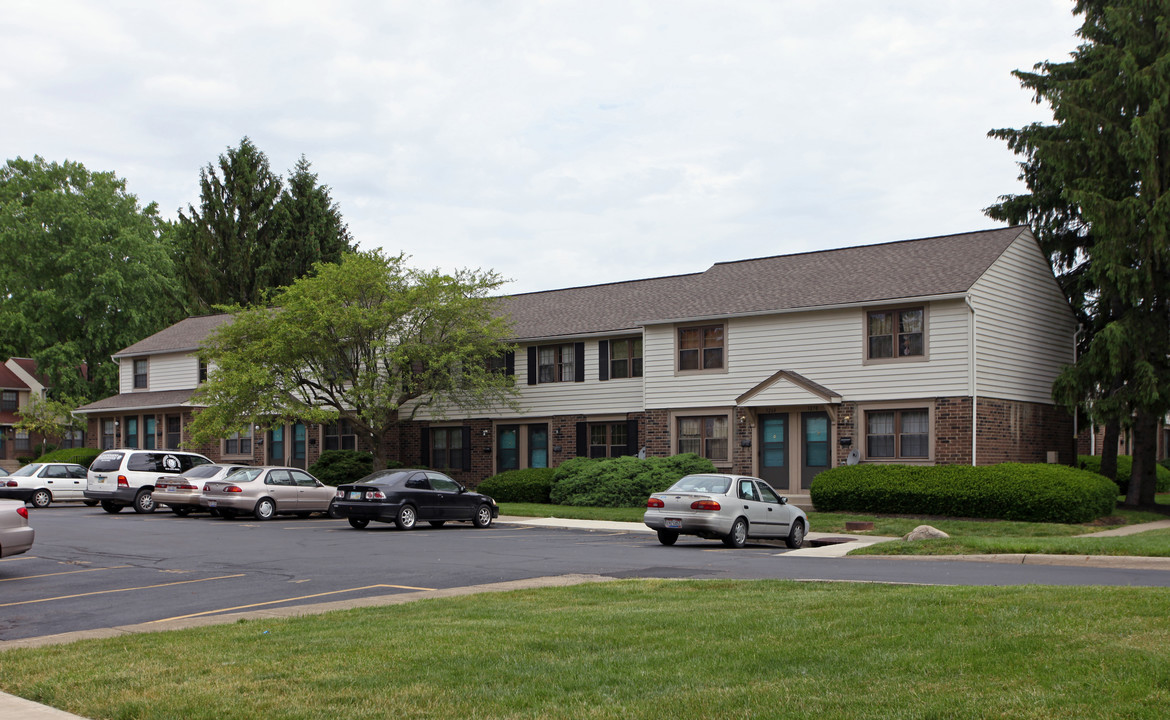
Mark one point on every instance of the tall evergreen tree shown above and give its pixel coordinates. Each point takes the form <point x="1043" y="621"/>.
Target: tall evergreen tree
<point x="224" y="249"/>
<point x="311" y="227"/>
<point x="1101" y="174"/>
<point x="83" y="273"/>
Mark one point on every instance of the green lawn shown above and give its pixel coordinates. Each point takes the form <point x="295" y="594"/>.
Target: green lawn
<point x="644" y="649"/>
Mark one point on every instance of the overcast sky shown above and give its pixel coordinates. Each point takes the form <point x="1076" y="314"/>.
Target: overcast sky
<point x="558" y="143"/>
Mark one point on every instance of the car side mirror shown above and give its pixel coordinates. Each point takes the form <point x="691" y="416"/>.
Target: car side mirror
<point x="462" y="489"/>
<point x="783" y="500"/>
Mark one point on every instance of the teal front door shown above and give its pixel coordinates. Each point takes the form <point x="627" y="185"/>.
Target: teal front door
<point x="814" y="457"/>
<point x="774" y="451"/>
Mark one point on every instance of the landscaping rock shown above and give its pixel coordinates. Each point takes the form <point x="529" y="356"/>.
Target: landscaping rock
<point x="925" y="532"/>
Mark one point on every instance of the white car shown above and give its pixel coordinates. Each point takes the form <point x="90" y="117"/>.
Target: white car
<point x="122" y="478"/>
<point x="43" y="483"/>
<point x="15" y="534"/>
<point x="730" y="508"/>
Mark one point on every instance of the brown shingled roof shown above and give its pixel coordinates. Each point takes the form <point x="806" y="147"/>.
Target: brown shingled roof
<point x="139" y="400"/>
<point x="185" y="335"/>
<point x="867" y="273"/>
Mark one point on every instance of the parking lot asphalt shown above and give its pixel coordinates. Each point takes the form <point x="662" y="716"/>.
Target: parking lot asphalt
<point x="820" y="545"/>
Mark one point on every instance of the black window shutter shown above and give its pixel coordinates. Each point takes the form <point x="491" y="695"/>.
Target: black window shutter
<point x="603" y="360"/>
<point x="632" y="436"/>
<point x="582" y="440"/>
<point x="579" y="362"/>
<point x="424" y="450"/>
<point x="532" y="365"/>
<point x="510" y="363"/>
<point x="466" y="447"/>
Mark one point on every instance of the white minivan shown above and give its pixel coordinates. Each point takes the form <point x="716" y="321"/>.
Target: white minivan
<point x="126" y="477"/>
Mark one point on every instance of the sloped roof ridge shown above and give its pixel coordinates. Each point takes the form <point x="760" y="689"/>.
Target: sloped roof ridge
<point x="602" y="285"/>
<point x="865" y="246"/>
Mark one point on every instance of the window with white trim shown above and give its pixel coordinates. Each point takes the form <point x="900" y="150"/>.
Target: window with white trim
<point x="897" y="434"/>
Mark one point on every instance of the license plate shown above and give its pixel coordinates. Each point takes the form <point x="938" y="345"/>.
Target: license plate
<point x="171" y="489"/>
<point x="673" y="522"/>
<point x="210" y="503"/>
<point x="355" y="495"/>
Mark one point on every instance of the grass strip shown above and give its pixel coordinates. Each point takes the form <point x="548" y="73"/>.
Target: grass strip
<point x="645" y="649"/>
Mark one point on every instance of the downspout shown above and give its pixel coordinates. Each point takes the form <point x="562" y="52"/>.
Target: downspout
<point x="974" y="381"/>
<point x="1076" y="449"/>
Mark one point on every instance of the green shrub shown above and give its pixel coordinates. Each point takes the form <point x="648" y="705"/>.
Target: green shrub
<point x="337" y="467"/>
<point x="1011" y="491"/>
<point x="81" y="456"/>
<point x="620" y="482"/>
<point x="526" y="486"/>
<point x="1092" y="463"/>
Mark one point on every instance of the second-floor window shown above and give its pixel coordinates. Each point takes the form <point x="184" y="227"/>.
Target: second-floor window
<point x="202" y="372"/>
<point x="625" y="358"/>
<point x="9" y="400"/>
<point x="701" y="348"/>
<point x="140" y="376"/>
<point x="556" y="363"/>
<point x="896" y="333"/>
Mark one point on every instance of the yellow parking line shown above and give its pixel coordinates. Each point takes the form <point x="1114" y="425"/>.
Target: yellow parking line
<point x="64" y="572"/>
<point x="22" y="557"/>
<point x="105" y="592"/>
<point x="277" y="602"/>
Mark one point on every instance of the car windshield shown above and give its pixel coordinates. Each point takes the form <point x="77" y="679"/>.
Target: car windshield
<point x="702" y="483"/>
<point x="243" y="476"/>
<point x="27" y="470"/>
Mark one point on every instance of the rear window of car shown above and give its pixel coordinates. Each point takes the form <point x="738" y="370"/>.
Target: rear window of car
<point x="206" y="471"/>
<point x="107" y="462"/>
<point x="386" y="477"/>
<point x="243" y="476"/>
<point x="27" y="470"/>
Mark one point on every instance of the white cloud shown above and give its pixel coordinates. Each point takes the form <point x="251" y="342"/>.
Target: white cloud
<point x="560" y="143"/>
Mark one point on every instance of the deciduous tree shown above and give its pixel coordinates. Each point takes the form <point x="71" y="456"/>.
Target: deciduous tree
<point x="370" y="339"/>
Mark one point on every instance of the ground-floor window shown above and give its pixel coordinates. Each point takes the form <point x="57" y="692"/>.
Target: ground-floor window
<point x="704" y="436"/>
<point x="73" y="439"/>
<point x="22" y="440"/>
<point x="447" y="448"/>
<point x="340" y="436"/>
<point x="107" y="434"/>
<point x="608" y="439"/>
<point x="897" y="434"/>
<point x="239" y="443"/>
<point x="174" y="431"/>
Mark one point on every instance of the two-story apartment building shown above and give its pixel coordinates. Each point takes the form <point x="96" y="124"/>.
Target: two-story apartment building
<point x="20" y="383"/>
<point x="937" y="350"/>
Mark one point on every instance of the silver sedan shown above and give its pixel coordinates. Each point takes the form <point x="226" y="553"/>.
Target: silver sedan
<point x="267" y="491"/>
<point x="730" y="508"/>
<point x="15" y="534"/>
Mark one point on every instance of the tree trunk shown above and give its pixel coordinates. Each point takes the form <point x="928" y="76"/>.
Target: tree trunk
<point x="1109" y="449"/>
<point x="1143" y="483"/>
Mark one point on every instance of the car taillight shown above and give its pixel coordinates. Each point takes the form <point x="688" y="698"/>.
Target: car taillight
<point x="23" y="512"/>
<point x="11" y="483"/>
<point x="123" y="482"/>
<point x="206" y="488"/>
<point x="375" y="495"/>
<point x="233" y="488"/>
<point x="187" y="487"/>
<point x="705" y="505"/>
<point x="655" y="502"/>
<point x="339" y="494"/>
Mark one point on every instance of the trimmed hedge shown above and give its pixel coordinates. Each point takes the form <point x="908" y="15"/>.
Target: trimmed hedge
<point x="1011" y="491"/>
<point x="620" y="482"/>
<point x="524" y="486"/>
<point x="81" y="456"/>
<point x="1092" y="463"/>
<point x="336" y="467"/>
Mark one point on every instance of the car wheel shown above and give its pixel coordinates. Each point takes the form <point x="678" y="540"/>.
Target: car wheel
<point x="144" y="502"/>
<point x="667" y="537"/>
<point x="227" y="514"/>
<point x="90" y="503"/>
<point x="265" y="509"/>
<point x="483" y="517"/>
<point x="333" y="512"/>
<point x="41" y="498"/>
<point x="737" y="538"/>
<point x="438" y="523"/>
<point x="181" y="511"/>
<point x="795" y="536"/>
<point x="111" y="507"/>
<point x="358" y="523"/>
<point x="406" y="518"/>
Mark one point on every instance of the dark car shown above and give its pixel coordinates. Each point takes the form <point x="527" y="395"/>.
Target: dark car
<point x="406" y="497"/>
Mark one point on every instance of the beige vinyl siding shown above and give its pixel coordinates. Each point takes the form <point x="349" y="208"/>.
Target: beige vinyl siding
<point x="168" y="371"/>
<point x="1024" y="324"/>
<point x="826" y="347"/>
<point x="591" y="397"/>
